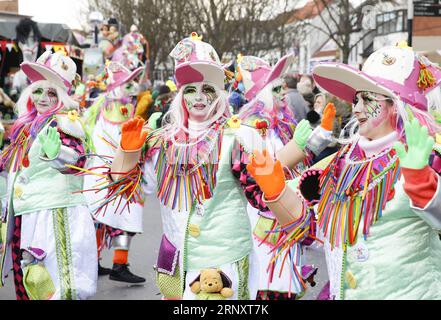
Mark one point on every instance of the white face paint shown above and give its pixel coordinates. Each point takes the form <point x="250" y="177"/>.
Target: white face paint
<point x="278" y="96"/>
<point x="44" y="98"/>
<point x="199" y="99"/>
<point x="130" y="89"/>
<point x="374" y="114"/>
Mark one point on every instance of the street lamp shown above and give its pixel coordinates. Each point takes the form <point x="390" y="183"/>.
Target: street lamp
<point x="95" y="19"/>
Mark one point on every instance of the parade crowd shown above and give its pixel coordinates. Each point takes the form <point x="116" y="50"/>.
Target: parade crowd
<point x="251" y="163"/>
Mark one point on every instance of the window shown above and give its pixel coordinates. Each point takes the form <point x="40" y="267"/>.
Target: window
<point x="390" y="22"/>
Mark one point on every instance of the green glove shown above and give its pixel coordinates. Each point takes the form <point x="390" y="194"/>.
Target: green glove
<point x="419" y="146"/>
<point x="50" y="143"/>
<point x="302" y="133"/>
<point x="153" y="120"/>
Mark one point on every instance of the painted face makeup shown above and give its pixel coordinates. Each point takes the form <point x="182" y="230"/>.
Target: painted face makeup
<point x="278" y="95"/>
<point x="44" y="99"/>
<point x="199" y="99"/>
<point x="373" y="112"/>
<point x="131" y="89"/>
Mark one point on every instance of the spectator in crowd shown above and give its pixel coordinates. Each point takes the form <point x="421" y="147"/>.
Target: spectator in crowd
<point x="294" y="99"/>
<point x="342" y="117"/>
<point x="307" y="89"/>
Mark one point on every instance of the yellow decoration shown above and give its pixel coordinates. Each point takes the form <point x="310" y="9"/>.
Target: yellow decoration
<point x="60" y="48"/>
<point x="234" y="122"/>
<point x="239" y="58"/>
<point x="195" y="36"/>
<point x="350" y="280"/>
<point x="194" y="230"/>
<point x="18" y="192"/>
<point x="171" y="85"/>
<point x="438" y="138"/>
<point x="73" y="115"/>
<point x="403" y="45"/>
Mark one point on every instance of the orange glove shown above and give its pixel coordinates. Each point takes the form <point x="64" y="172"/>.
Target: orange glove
<point x="268" y="175"/>
<point x="132" y="135"/>
<point x="328" y="117"/>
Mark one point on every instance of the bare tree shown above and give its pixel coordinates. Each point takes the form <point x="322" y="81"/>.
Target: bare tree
<point x="339" y="21"/>
<point x="247" y="26"/>
<point x="162" y="22"/>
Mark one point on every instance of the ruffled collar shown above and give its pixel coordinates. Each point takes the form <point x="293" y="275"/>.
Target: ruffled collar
<point x="373" y="147"/>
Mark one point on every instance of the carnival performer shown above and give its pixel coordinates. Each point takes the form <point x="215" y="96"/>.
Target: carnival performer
<point x="268" y="112"/>
<point x="104" y="119"/>
<point x="48" y="232"/>
<point x="377" y="201"/>
<point x="200" y="177"/>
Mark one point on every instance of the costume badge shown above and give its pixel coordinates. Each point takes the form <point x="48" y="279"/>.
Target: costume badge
<point x="182" y="51"/>
<point x="388" y="60"/>
<point x="361" y="252"/>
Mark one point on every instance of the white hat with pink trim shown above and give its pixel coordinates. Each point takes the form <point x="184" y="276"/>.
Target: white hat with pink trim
<point x="119" y="75"/>
<point x="197" y="61"/>
<point x="53" y="67"/>
<point x="393" y="71"/>
<point x="257" y="73"/>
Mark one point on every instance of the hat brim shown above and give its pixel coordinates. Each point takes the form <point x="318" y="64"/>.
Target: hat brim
<point x="125" y="80"/>
<point x="253" y="88"/>
<point x="344" y="81"/>
<point x="280" y="68"/>
<point x="200" y="72"/>
<point x="38" y="72"/>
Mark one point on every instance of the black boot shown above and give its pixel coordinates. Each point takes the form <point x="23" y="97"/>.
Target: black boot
<point x="121" y="272"/>
<point x="103" y="271"/>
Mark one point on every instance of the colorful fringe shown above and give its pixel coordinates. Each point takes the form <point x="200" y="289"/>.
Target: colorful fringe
<point x="425" y="79"/>
<point x="288" y="245"/>
<point x="127" y="188"/>
<point x="187" y="172"/>
<point x="353" y="191"/>
<point x="16" y="154"/>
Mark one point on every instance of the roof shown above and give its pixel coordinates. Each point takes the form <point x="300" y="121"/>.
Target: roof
<point x="13" y="15"/>
<point x="49" y="31"/>
<point x="308" y="11"/>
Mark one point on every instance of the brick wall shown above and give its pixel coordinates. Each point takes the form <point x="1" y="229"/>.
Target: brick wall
<point x="427" y="26"/>
<point x="9" y="6"/>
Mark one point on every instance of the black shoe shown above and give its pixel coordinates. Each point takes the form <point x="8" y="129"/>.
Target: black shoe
<point x="103" y="271"/>
<point x="121" y="272"/>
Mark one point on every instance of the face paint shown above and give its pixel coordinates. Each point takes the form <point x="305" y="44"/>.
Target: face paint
<point x="278" y="95"/>
<point x="373" y="113"/>
<point x="130" y="89"/>
<point x="198" y="99"/>
<point x="44" y="99"/>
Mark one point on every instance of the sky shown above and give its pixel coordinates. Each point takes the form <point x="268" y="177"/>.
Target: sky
<point x="55" y="11"/>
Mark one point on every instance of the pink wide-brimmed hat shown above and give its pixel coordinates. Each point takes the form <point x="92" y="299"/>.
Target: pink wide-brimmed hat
<point x="119" y="75"/>
<point x="53" y="67"/>
<point x="393" y="71"/>
<point x="197" y="61"/>
<point x="257" y="73"/>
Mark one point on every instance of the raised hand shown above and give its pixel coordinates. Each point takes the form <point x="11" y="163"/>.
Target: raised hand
<point x="267" y="173"/>
<point x="132" y="135"/>
<point x="419" y="146"/>
<point x="328" y="117"/>
<point x="50" y="142"/>
<point x="302" y="134"/>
